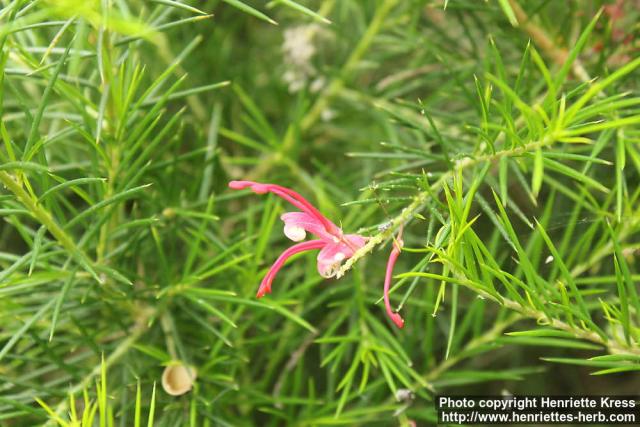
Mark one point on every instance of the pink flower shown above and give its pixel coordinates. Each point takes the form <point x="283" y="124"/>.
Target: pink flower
<point x="335" y="247"/>
<point x="393" y="257"/>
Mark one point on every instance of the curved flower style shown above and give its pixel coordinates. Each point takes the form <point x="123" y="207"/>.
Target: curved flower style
<point x="393" y="257"/>
<point x="334" y="246"/>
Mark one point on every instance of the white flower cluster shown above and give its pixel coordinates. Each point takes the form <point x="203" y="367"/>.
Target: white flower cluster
<point x="298" y="50"/>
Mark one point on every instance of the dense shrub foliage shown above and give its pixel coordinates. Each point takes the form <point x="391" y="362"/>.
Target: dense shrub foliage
<point x="501" y="136"/>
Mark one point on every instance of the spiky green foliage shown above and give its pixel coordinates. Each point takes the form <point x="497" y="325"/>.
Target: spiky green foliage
<point x="502" y="135"/>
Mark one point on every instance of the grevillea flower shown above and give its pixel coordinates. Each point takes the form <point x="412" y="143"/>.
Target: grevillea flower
<point x="334" y="245"/>
<point x="393" y="257"/>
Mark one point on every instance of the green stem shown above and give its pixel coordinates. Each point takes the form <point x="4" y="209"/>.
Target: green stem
<point x="493" y="334"/>
<point x="612" y="346"/>
<point x="546" y="43"/>
<point x="421" y="199"/>
<point x="45" y="218"/>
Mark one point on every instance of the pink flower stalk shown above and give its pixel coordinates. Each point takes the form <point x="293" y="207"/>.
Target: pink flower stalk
<point x="334" y="246"/>
<point x="393" y="257"/>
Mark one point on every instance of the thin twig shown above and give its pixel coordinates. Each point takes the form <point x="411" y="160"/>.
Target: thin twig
<point x="540" y="38"/>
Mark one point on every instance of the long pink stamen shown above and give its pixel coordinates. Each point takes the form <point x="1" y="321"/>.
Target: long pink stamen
<point x="265" y="286"/>
<point x="292" y="197"/>
<point x="395" y="252"/>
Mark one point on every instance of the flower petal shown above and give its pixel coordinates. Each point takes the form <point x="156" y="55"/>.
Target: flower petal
<point x="331" y="256"/>
<point x="290" y="196"/>
<point x="354" y="242"/>
<point x="306" y="222"/>
<point x="265" y="286"/>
